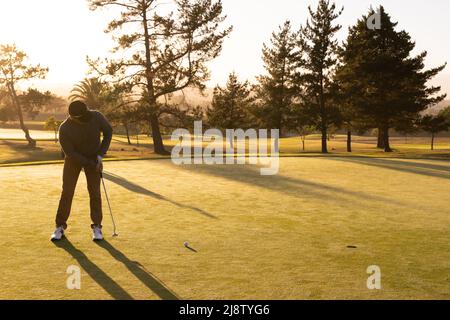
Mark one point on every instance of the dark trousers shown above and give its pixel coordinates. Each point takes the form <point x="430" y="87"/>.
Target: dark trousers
<point x="70" y="178"/>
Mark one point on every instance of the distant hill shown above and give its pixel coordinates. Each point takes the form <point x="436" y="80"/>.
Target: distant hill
<point x="435" y="109"/>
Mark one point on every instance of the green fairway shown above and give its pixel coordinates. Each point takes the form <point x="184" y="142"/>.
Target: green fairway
<point x="14" y="149"/>
<point x="276" y="237"/>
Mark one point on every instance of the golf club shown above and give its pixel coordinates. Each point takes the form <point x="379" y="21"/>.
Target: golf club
<point x="115" y="234"/>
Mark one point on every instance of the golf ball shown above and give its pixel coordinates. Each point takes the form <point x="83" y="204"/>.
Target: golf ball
<point x="186" y="244"/>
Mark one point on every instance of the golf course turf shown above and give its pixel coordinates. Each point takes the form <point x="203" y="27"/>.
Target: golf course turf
<point x="310" y="232"/>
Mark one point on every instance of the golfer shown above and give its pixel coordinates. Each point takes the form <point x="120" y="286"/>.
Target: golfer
<point x="79" y="137"/>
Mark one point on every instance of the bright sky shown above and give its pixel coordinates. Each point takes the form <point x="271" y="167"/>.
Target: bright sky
<point x="61" y="33"/>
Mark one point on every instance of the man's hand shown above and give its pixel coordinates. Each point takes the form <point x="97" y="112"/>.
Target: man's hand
<point x="99" y="164"/>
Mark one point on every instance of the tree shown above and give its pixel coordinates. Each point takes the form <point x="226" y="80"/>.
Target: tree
<point x="33" y="101"/>
<point x="408" y="126"/>
<point x="91" y="91"/>
<point x="434" y="124"/>
<point x="276" y="92"/>
<point x="446" y="113"/>
<point x="53" y="125"/>
<point x="349" y="123"/>
<point x="15" y="70"/>
<point x="124" y="117"/>
<point x="349" y="115"/>
<point x="163" y="53"/>
<point x="174" y="112"/>
<point x="230" y="105"/>
<point x="319" y="46"/>
<point x="6" y="111"/>
<point x="304" y="131"/>
<point x="388" y="85"/>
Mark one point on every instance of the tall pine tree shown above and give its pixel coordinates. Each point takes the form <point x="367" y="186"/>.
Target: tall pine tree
<point x="230" y="105"/>
<point x="319" y="46"/>
<point x="163" y="47"/>
<point x="387" y="85"/>
<point x="277" y="90"/>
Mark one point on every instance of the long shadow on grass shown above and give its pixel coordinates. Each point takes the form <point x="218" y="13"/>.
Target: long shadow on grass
<point x="292" y="186"/>
<point x="24" y="153"/>
<point x="138" y="189"/>
<point x="106" y="282"/>
<point x="425" y="169"/>
<point x="139" y="271"/>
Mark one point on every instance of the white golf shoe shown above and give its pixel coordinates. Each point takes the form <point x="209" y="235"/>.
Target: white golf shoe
<point x="58" y="234"/>
<point x="97" y="234"/>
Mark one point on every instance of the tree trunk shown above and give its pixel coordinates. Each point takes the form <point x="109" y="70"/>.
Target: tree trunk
<point x="128" y="133"/>
<point x="432" y="141"/>
<point x="138" y="132"/>
<point x="158" y="143"/>
<point x="380" y="143"/>
<point x="304" y="145"/>
<point x="323" y="114"/>
<point x="387" y="146"/>
<point x="324" y="140"/>
<point x="349" y="141"/>
<point x="31" y="141"/>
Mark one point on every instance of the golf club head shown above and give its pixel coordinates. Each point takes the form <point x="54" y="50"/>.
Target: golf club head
<point x="115" y="235"/>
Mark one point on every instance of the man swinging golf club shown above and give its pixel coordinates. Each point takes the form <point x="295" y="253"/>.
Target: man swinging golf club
<point x="79" y="137"/>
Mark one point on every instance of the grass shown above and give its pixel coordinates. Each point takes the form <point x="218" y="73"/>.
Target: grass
<point x="276" y="237"/>
<point x="17" y="151"/>
<point x="13" y="148"/>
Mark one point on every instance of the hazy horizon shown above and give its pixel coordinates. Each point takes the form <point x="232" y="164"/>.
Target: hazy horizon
<point x="60" y="34"/>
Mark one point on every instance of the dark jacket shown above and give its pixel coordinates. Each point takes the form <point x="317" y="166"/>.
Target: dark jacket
<point x="81" y="141"/>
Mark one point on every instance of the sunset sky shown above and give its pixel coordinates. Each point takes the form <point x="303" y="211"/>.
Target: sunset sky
<point x="59" y="34"/>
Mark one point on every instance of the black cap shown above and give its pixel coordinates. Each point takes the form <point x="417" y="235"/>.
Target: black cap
<point x="79" y="111"/>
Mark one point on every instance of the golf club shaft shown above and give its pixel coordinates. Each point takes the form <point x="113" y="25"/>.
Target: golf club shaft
<point x="109" y="204"/>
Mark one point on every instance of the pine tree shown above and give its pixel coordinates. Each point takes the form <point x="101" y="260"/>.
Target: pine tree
<point x="386" y="84"/>
<point x="351" y="120"/>
<point x="165" y="46"/>
<point x="434" y="124"/>
<point x="444" y="112"/>
<point x="276" y="92"/>
<point x="230" y="105"/>
<point x="319" y="47"/>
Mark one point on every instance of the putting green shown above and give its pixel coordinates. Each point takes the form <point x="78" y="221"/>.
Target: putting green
<point x="282" y="237"/>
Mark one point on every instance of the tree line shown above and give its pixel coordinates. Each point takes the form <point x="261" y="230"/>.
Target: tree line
<point x="312" y="83"/>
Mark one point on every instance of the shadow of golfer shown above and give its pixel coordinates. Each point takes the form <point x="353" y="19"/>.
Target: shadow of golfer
<point x="138" y="189"/>
<point x="139" y="271"/>
<point x="99" y="276"/>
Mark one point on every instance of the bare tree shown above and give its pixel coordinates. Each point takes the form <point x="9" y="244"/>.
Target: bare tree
<point x="13" y="70"/>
